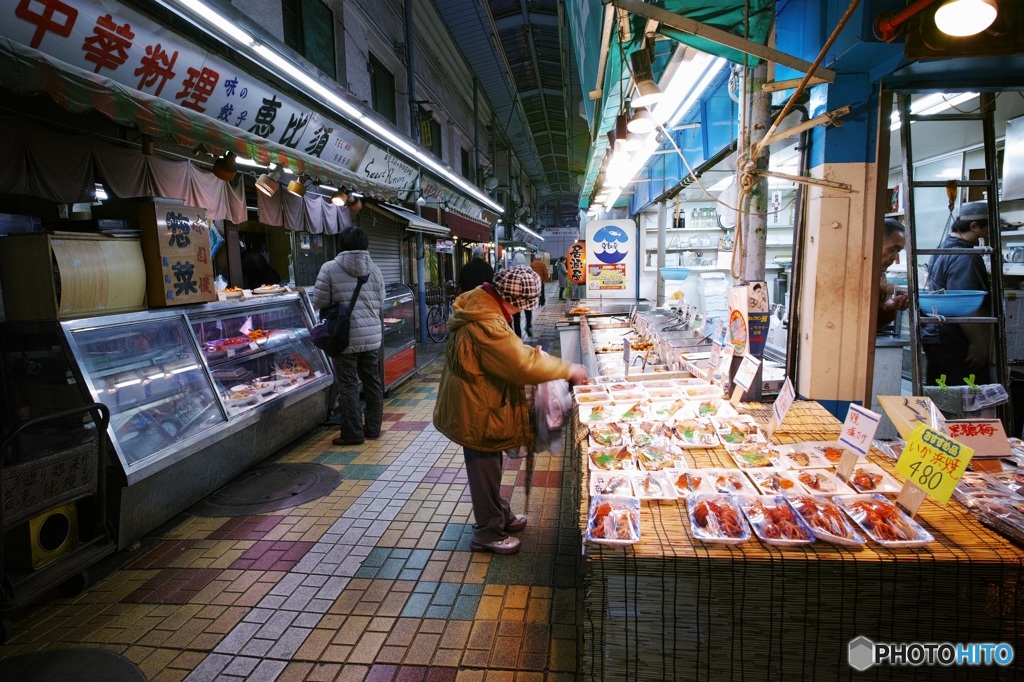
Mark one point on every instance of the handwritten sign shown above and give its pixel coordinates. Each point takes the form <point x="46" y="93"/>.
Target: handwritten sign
<point x="859" y="429"/>
<point x="934" y="462"/>
<point x="906" y="411"/>
<point x="744" y="377"/>
<point x="576" y="257"/>
<point x="847" y="461"/>
<point x="985" y="436"/>
<point x="781" y="406"/>
<point x="910" y="498"/>
<point x="716" y="355"/>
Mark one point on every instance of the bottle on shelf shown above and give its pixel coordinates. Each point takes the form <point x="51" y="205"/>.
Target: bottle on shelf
<point x="694" y="222"/>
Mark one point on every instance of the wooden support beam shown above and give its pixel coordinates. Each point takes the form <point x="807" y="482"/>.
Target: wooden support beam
<point x="824" y="119"/>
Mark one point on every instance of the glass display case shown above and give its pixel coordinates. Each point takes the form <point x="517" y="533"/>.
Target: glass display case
<point x="398" y="347"/>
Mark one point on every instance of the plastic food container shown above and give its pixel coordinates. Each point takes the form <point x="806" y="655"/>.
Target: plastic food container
<point x="831" y="450"/>
<point x="695" y="433"/>
<point x="650" y="433"/>
<point x="669" y="393"/>
<point x="737" y="430"/>
<point x="613" y="520"/>
<point x="754" y="455"/>
<point x="826" y="520"/>
<point x="587" y="388"/>
<point x="822" y="482"/>
<point x="775" y="522"/>
<point x="610" y="379"/>
<point x="611" y="459"/>
<point x="713" y="407"/>
<point x="702" y="392"/>
<point x="716" y="518"/>
<point x="664" y="409"/>
<point x="658" y="383"/>
<point x="796" y="457"/>
<point x="627" y="396"/>
<point x="598" y="412"/>
<point x="652" y="485"/>
<point x="238" y="398"/>
<point x="610" y="483"/>
<point x="655" y="457"/>
<point x="639" y="409"/>
<point x="687" y="481"/>
<point x="607" y="434"/>
<point x="587" y="398"/>
<point x="689" y="382"/>
<point x="884" y="522"/>
<point x="729" y="482"/>
<point x="871" y="478"/>
<point x="775" y="481"/>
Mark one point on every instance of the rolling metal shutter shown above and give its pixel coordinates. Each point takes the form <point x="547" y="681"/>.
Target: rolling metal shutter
<point x="385" y="235"/>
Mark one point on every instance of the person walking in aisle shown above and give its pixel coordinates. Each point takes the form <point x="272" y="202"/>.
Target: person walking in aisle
<point x="481" y="404"/>
<point x="562" y="273"/>
<point x="360" y="361"/>
<point x="541" y="268"/>
<point x="476" y="271"/>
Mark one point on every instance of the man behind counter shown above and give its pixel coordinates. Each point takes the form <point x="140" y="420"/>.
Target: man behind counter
<point x="959" y="350"/>
<point x="890" y="300"/>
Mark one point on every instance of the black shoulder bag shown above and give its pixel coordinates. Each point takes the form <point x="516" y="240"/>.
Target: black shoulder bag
<point x="331" y="333"/>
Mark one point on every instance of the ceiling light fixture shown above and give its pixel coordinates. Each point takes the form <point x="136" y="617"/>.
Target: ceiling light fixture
<point x="340" y="197"/>
<point x="298" y="186"/>
<point x="528" y="231"/>
<point x="965" y="17"/>
<point x="648" y="92"/>
<point x="642" y="122"/>
<point x="268" y="182"/>
<point x="932" y="104"/>
<point x="225" y="167"/>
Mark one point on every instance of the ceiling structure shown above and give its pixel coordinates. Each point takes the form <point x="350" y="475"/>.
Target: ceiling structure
<point x="522" y="56"/>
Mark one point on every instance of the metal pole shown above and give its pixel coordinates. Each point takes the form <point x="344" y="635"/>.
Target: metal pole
<point x="410" y="73"/>
<point x="476" y="132"/>
<point x="662" y="239"/>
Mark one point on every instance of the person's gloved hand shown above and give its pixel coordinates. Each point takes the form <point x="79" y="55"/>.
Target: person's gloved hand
<point x="577" y="374"/>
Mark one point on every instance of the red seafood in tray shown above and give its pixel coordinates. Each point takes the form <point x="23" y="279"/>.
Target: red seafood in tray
<point x="819" y="482"/>
<point x="884" y="522"/>
<point x="729" y="481"/>
<point x="717" y="518"/>
<point x="871" y="478"/>
<point x="826" y="520"/>
<point x="688" y="481"/>
<point x="773" y="481"/>
<point x="613" y="520"/>
<point x="775" y="522"/>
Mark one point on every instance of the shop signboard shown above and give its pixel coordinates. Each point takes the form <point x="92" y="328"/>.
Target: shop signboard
<point x="384" y="168"/>
<point x="176" y="250"/>
<point x="611" y="259"/>
<point x="576" y="258"/>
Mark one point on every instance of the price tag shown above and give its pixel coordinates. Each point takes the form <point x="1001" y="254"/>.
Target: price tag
<point x="626" y="349"/>
<point x="934" y="462"/>
<point x="859" y="429"/>
<point x="985" y="436"/>
<point x="716" y="355"/>
<point x="910" y="498"/>
<point x="253" y="346"/>
<point x="781" y="406"/>
<point x="721" y="375"/>
<point x="844" y="468"/>
<point x="744" y="377"/>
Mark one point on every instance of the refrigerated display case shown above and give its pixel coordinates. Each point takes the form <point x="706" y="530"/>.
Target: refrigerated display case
<point x="196" y="394"/>
<point x="399" y="342"/>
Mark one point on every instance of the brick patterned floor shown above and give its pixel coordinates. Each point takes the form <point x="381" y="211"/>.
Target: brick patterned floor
<point x="375" y="581"/>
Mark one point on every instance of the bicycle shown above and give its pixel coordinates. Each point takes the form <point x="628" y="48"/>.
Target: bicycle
<point x="439" y="300"/>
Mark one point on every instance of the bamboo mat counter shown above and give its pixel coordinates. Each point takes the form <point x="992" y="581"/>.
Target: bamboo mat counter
<point x="674" y="608"/>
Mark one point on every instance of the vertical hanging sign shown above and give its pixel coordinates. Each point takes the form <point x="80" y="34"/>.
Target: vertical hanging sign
<point x="576" y="259"/>
<point x="612" y="259"/>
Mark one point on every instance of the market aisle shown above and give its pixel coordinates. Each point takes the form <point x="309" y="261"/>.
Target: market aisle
<point x="374" y="581"/>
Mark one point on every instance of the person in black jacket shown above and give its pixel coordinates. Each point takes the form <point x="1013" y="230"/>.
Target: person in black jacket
<point x="476" y="271"/>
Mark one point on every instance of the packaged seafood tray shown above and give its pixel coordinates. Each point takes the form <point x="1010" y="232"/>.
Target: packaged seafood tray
<point x="871" y="478"/>
<point x="650" y="433"/>
<point x="664" y="393"/>
<point x="587" y="388"/>
<point x="713" y="407"/>
<point x="690" y="382"/>
<point x="729" y="481"/>
<point x="658" y="456"/>
<point x="634" y="410"/>
<point x="599" y="412"/>
<point x="624" y="387"/>
<point x="610" y="483"/>
<point x="975" y="485"/>
<point x="1004" y="515"/>
<point x="652" y="485"/>
<point x="775" y="522"/>
<point x="884" y="522"/>
<point x="610" y="379"/>
<point x="627" y="396"/>
<point x="826" y="520"/>
<point x="754" y="455"/>
<point x="1014" y="480"/>
<point x="591" y="398"/>
<point x="796" y="457"/>
<point x="658" y="383"/>
<point x="775" y="480"/>
<point x="702" y="392"/>
<point x="716" y="518"/>
<point x="695" y="433"/>
<point x="737" y="430"/>
<point x="688" y="481"/>
<point x="611" y="459"/>
<point x="607" y="434"/>
<point x="613" y="520"/>
<point x="664" y="409"/>
<point x="822" y="482"/>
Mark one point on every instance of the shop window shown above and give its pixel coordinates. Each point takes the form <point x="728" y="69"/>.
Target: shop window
<point x="309" y="30"/>
<point x="382" y="90"/>
<point x="467" y="166"/>
<point x="430" y="132"/>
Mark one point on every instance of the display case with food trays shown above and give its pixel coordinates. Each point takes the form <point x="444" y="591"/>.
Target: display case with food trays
<point x="398" y="346"/>
<point x="188" y="389"/>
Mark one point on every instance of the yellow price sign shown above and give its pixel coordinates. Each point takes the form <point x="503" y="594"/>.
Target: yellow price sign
<point x="934" y="462"/>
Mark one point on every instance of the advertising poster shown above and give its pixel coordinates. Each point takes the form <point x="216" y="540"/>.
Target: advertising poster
<point x="757" y="316"/>
<point x="611" y="264"/>
<point x="738" y="319"/>
<point x="576" y="261"/>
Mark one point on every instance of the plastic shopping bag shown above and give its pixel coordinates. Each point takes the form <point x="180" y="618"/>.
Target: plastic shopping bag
<point x="541" y="429"/>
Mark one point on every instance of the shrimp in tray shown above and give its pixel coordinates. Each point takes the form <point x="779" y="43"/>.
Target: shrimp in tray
<point x="717" y="518"/>
<point x="884" y="522"/>
<point x="775" y="522"/>
<point x="826" y="520"/>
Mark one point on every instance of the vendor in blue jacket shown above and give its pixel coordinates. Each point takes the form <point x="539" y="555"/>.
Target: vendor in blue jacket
<point x="481" y="404"/>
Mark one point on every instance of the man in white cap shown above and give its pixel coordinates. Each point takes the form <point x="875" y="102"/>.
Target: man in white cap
<point x="959" y="350"/>
<point x="481" y="404"/>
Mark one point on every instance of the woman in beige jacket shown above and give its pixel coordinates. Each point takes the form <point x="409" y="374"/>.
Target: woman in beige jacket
<point x="480" y="401"/>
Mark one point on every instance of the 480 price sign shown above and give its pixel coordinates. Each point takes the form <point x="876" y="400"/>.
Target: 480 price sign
<point x="934" y="462"/>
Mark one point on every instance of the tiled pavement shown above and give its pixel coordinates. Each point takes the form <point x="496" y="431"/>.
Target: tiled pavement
<point x="372" y="582"/>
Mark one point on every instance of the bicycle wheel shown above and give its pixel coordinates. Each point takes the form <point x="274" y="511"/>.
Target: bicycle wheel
<point x="437" y="324"/>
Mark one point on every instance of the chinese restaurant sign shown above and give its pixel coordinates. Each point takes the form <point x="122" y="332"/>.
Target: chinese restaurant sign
<point x="934" y="462"/>
<point x="176" y="248"/>
<point x="611" y="258"/>
<point x="115" y="42"/>
<point x="577" y="262"/>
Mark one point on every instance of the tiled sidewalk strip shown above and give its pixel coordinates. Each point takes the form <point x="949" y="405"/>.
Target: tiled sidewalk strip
<point x="277" y="627"/>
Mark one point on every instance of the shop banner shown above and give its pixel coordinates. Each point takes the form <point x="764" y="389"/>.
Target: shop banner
<point x="560" y="232"/>
<point x="748" y="318"/>
<point x="576" y="259"/>
<point x="108" y="39"/>
<point x="611" y="259"/>
<point x="176" y="248"/>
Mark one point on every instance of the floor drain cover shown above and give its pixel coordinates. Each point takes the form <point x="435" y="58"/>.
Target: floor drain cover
<point x="81" y="665"/>
<point x="269" y="488"/>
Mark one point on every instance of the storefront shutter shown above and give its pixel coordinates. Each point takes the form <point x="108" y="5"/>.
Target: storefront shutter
<point x="385" y="236"/>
